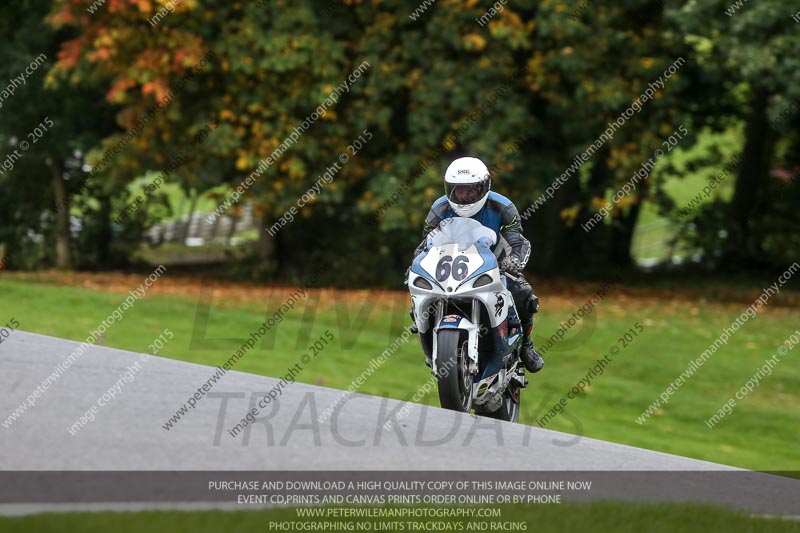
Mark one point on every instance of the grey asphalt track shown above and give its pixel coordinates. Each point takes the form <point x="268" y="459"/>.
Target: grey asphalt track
<point x="128" y="434"/>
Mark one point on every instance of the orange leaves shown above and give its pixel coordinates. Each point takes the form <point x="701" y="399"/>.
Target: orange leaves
<point x="193" y="49"/>
<point x="70" y="53"/>
<point x="144" y="5"/>
<point x="626" y="201"/>
<point x="101" y="54"/>
<point x="569" y="214"/>
<point x="158" y="87"/>
<point x="117" y="92"/>
<point x="62" y="17"/>
<point x="474" y="42"/>
<point x="243" y="161"/>
<point x="121" y="5"/>
<point x="512" y="19"/>
<point x="104" y="46"/>
<point x="180" y="56"/>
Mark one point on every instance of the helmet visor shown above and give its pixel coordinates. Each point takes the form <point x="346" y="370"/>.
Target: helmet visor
<point x="466" y="193"/>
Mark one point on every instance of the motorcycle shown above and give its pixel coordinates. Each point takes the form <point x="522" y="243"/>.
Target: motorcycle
<point x="467" y="322"/>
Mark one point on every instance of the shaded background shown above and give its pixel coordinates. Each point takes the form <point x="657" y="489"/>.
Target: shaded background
<point x="559" y="73"/>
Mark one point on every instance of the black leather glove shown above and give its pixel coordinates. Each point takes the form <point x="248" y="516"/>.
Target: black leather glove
<point x="511" y="264"/>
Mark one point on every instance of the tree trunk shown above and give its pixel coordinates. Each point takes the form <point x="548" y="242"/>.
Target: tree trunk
<point x="192" y="207"/>
<point x="562" y="244"/>
<point x="266" y="243"/>
<point x="215" y="227"/>
<point x="232" y="230"/>
<point x="104" y="233"/>
<point x="624" y="226"/>
<point x="63" y="255"/>
<point x="596" y="242"/>
<point x="569" y="248"/>
<point x="753" y="171"/>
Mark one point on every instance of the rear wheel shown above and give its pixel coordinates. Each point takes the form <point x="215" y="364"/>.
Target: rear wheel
<point x="455" y="381"/>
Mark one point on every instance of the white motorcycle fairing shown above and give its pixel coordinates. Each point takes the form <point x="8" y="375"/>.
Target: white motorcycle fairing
<point x="458" y="267"/>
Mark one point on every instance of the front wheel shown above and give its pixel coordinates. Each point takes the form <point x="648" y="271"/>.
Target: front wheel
<point x="455" y="381"/>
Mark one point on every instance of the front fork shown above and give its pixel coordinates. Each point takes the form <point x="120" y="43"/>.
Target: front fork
<point x="469" y="326"/>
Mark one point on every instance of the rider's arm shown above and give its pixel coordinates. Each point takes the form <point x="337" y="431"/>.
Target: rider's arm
<point x="511" y="230"/>
<point x="431" y="222"/>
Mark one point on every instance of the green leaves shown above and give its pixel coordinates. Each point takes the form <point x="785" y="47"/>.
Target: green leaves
<point x="537" y="76"/>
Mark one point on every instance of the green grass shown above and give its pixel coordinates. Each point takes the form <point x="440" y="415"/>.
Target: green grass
<point x="600" y="517"/>
<point x="760" y="434"/>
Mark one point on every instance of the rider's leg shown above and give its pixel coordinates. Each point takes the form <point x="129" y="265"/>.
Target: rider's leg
<point x="527" y="305"/>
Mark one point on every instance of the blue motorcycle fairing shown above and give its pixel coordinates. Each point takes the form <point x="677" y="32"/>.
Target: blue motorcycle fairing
<point x="489" y="263"/>
<point x="417" y="269"/>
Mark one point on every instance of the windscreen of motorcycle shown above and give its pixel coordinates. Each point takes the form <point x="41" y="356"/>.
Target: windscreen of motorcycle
<point x="461" y="231"/>
<point x="453" y="256"/>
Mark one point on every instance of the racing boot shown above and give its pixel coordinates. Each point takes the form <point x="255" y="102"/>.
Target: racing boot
<point x="530" y="356"/>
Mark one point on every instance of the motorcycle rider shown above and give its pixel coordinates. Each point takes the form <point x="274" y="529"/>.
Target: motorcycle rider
<point x="467" y="184"/>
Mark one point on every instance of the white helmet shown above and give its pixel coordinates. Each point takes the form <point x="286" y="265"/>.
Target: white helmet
<point x="466" y="185"/>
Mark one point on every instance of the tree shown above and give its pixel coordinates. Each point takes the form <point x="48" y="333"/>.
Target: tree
<point x="752" y="51"/>
<point x="527" y="91"/>
<point x="48" y="130"/>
